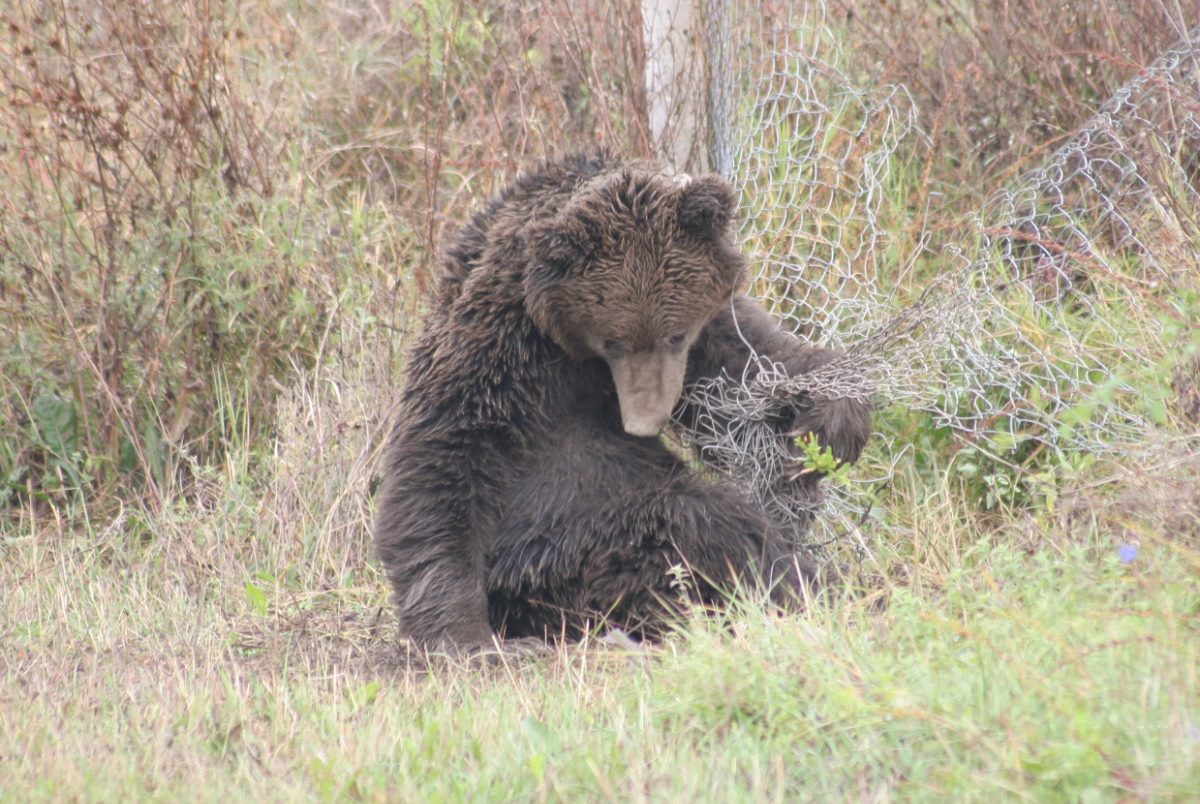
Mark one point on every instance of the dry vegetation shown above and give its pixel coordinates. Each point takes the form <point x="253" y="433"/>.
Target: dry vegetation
<point x="217" y="221"/>
<point x="1000" y="83"/>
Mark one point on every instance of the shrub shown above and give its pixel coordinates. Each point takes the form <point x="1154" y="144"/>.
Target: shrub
<point x="147" y="273"/>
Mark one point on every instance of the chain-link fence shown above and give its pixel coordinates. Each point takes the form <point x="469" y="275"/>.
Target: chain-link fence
<point x="1032" y="326"/>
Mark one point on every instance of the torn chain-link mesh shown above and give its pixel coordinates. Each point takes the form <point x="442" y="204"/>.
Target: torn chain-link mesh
<point x="1035" y="299"/>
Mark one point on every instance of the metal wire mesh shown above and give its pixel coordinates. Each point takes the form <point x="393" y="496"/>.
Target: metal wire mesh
<point x="1033" y="301"/>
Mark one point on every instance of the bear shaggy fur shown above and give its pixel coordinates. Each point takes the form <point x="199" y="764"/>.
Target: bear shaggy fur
<point x="524" y="490"/>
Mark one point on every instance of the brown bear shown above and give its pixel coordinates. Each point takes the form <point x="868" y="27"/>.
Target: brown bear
<point x="525" y="491"/>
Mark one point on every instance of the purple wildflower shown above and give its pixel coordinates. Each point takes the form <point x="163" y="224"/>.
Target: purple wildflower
<point x="1127" y="553"/>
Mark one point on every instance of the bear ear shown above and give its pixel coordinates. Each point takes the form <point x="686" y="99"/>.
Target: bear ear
<point x="558" y="245"/>
<point x="706" y="206"/>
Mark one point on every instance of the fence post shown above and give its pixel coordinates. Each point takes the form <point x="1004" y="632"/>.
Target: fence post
<point x="675" y="82"/>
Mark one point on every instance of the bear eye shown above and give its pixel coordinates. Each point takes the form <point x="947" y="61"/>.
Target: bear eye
<point x="612" y="347"/>
<point x="675" y="341"/>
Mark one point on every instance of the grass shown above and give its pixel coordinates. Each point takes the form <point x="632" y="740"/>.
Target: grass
<point x="146" y="668"/>
<point x="196" y="377"/>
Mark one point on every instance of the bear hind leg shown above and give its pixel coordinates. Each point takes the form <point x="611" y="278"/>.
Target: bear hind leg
<point x="599" y="529"/>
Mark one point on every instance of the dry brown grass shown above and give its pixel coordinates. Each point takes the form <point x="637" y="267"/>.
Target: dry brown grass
<point x="1000" y="83"/>
<point x="433" y="107"/>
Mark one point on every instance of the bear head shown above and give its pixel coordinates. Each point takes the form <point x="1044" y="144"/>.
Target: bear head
<point x="630" y="270"/>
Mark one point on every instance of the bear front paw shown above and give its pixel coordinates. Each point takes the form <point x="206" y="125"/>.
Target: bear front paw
<point x="843" y="425"/>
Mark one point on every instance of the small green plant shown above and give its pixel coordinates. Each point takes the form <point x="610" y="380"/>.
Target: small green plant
<point x="820" y="459"/>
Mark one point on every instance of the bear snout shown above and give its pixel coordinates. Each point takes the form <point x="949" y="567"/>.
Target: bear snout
<point x="642" y="426"/>
<point x="648" y="386"/>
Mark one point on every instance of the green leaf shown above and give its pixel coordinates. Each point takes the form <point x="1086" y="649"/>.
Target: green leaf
<point x="1158" y="410"/>
<point x="364" y="695"/>
<point x="258" y="599"/>
<point x="55" y="420"/>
